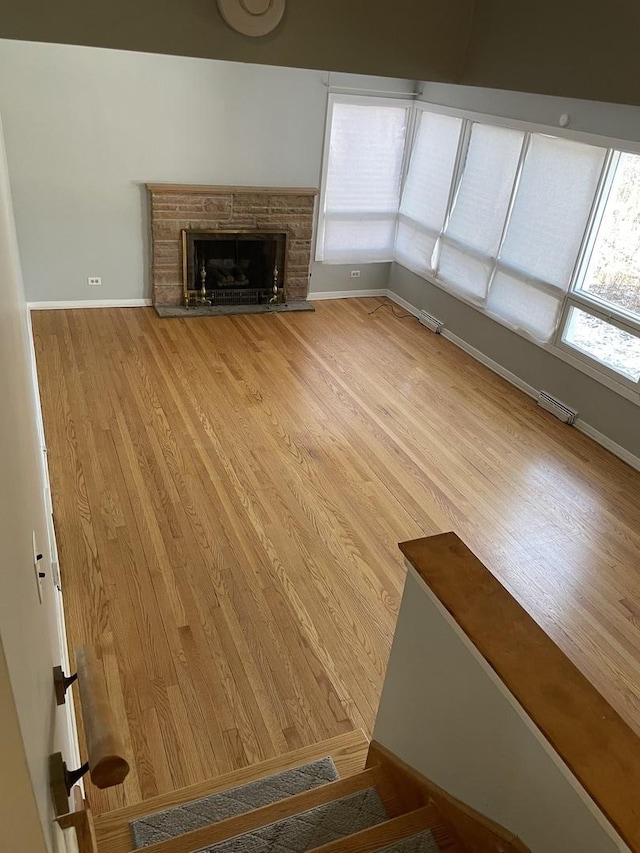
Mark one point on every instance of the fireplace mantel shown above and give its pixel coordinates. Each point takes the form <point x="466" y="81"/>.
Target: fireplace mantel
<point x="199" y="189"/>
<point x="178" y="207"/>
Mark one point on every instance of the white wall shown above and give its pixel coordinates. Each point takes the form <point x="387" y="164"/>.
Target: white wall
<point x="444" y="712"/>
<point x="31" y="726"/>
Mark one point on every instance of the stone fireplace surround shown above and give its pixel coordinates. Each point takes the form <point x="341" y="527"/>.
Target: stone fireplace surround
<point x="175" y="207"/>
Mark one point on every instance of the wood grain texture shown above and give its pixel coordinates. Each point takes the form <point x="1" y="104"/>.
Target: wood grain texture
<point x="105" y="751"/>
<point x="406" y="826"/>
<point x="599" y="748"/>
<point x="349" y="753"/>
<point x="81" y="819"/>
<point x="214" y="833"/>
<point x="229" y="493"/>
<point x="471" y="829"/>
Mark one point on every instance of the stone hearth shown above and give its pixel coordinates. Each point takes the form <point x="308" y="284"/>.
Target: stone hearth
<point x="178" y="207"/>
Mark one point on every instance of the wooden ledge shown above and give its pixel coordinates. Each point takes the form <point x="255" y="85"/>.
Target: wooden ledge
<point x="200" y="189"/>
<point x="599" y="748"/>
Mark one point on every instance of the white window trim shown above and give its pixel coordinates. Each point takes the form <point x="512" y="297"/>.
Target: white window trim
<point x="362" y="101"/>
<point x="593" y="368"/>
<point x="572" y="296"/>
<point x="614" y="375"/>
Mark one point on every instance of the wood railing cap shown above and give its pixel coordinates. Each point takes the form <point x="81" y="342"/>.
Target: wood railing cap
<point x="597" y="745"/>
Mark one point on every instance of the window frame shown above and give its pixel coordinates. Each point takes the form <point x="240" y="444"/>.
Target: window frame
<point x="572" y="296"/>
<point x="364" y="101"/>
<point x="555" y="346"/>
<point x="588" y="308"/>
<point x="591" y="300"/>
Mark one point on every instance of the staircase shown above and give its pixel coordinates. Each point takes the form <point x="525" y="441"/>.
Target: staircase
<point x="361" y="811"/>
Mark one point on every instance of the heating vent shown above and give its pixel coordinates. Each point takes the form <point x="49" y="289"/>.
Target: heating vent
<point x="431" y="322"/>
<point x="561" y="411"/>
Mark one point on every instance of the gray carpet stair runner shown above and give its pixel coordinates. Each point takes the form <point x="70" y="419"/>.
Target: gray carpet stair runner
<point x="423" y="842"/>
<point x="297" y="833"/>
<point x="186" y="817"/>
<point x="306" y="830"/>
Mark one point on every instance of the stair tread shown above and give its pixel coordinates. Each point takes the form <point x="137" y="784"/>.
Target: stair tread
<point x="232" y="802"/>
<point x="242" y="824"/>
<point x="348" y="752"/>
<point x="395" y="829"/>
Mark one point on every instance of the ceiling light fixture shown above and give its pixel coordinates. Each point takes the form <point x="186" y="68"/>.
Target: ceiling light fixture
<point x="252" y="17"/>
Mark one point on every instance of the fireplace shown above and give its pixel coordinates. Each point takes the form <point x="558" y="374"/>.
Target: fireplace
<point x="233" y="267"/>
<point x="230" y="222"/>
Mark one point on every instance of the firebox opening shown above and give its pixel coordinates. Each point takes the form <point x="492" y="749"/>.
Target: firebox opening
<point x="233" y="267"/>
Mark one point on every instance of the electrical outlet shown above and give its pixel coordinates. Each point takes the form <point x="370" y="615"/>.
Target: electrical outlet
<point x="94" y="281"/>
<point x="355" y="273"/>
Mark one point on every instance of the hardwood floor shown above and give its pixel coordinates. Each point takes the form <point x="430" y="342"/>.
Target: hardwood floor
<point x="229" y="494"/>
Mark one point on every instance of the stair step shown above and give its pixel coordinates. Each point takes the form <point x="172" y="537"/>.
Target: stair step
<point x="396" y="829"/>
<point x="377" y="838"/>
<point x="348" y="751"/>
<point x="178" y="820"/>
<point x="216" y="833"/>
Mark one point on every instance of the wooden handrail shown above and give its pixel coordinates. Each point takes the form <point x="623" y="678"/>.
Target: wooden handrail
<point x="595" y="743"/>
<point x="107" y="765"/>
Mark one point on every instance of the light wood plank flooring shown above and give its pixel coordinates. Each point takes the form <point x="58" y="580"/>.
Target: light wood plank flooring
<point x="229" y="494"/>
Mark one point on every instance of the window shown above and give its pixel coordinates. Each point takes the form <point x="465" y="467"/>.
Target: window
<point x="425" y="199"/>
<point x="497" y="216"/>
<point x="540" y="232"/>
<point x="361" y="192"/>
<point x="471" y="238"/>
<point x="602" y="319"/>
<point x="611" y="271"/>
<point x="604" y="341"/>
<point x="553" y="201"/>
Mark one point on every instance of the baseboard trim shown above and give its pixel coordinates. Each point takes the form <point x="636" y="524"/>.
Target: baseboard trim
<point x="608" y="443"/>
<point x="597" y="436"/>
<point x="89" y="303"/>
<point x="403" y="303"/>
<point x="495" y="366"/>
<point x="346" y="294"/>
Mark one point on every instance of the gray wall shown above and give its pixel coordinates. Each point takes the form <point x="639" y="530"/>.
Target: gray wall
<point x="582" y="50"/>
<point x="334" y="278"/>
<point x="599" y="406"/>
<point x="28" y="639"/>
<point x="579" y="49"/>
<point x="617" y="121"/>
<point x="403" y="39"/>
<point x="85" y="128"/>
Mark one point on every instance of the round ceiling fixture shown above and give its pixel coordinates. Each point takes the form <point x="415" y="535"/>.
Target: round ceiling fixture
<point x="252" y="17"/>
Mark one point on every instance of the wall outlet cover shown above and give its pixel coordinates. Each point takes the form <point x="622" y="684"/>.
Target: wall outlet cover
<point x="355" y="273"/>
<point x="94" y="281"/>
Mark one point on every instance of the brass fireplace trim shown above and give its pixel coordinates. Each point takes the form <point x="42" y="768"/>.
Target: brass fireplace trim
<point x="187" y="292"/>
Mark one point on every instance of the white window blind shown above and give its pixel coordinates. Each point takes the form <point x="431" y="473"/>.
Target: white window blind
<point x="362" y="182"/>
<point x="549" y="217"/>
<point x="473" y="232"/>
<point x="427" y="188"/>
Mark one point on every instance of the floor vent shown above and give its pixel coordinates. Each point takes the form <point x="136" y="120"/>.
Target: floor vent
<point x="431" y="322"/>
<point x="559" y="410"/>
